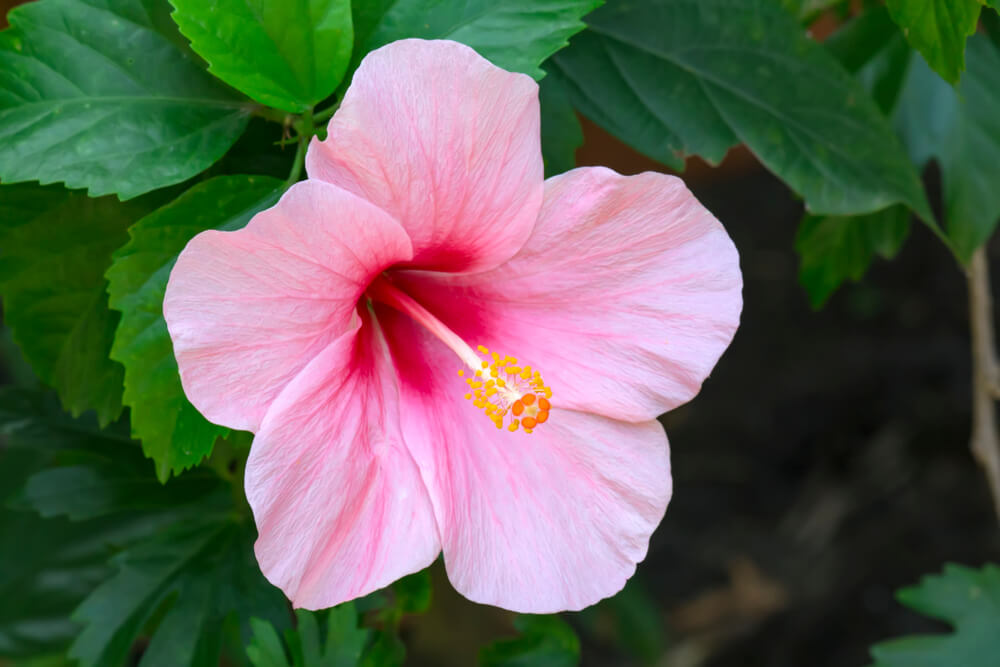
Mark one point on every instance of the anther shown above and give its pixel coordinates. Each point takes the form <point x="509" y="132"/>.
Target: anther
<point x="508" y="389"/>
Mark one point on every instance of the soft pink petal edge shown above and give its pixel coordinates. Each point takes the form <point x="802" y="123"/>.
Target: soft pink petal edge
<point x="446" y="143"/>
<point x="340" y="507"/>
<point x="552" y="521"/>
<point x="624" y="297"/>
<point x="248" y="309"/>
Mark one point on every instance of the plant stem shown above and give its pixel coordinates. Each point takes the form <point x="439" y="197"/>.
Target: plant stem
<point x="300" y="154"/>
<point x="326" y="113"/>
<point x="985" y="436"/>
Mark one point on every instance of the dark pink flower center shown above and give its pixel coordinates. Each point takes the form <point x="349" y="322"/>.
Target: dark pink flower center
<point x="511" y="396"/>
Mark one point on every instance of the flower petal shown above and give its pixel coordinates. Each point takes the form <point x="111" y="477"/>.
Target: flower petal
<point x="624" y="297"/>
<point x="445" y="142"/>
<point x="551" y="521"/>
<point x="247" y="310"/>
<point x="340" y="506"/>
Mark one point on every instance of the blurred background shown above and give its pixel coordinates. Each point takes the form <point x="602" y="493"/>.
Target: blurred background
<point x="824" y="465"/>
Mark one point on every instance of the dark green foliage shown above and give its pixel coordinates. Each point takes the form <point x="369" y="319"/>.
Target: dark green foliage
<point x="196" y="573"/>
<point x="97" y="485"/>
<point x="341" y="645"/>
<point x="181" y="557"/>
<point x="561" y="131"/>
<point x="693" y="77"/>
<point x="544" y="641"/>
<point x="874" y="50"/>
<point x="55" y="246"/>
<point x="412" y="593"/>
<point x="50" y="565"/>
<point x="345" y="643"/>
<point x="631" y="620"/>
<point x="806" y="10"/>
<point x="835" y="249"/>
<point x="960" y="128"/>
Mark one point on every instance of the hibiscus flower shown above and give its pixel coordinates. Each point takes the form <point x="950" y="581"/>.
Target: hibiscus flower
<point x="438" y="351"/>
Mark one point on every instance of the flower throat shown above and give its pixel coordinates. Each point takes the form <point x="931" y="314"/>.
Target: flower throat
<point x="511" y="396"/>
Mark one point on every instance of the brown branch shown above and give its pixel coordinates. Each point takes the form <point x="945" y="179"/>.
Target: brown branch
<point x="985" y="373"/>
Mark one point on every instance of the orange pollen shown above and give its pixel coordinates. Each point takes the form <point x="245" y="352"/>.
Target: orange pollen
<point x="511" y="396"/>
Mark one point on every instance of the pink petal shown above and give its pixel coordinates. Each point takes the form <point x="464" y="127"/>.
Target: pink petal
<point x="445" y="142"/>
<point x="247" y="310"/>
<point x="340" y="506"/>
<point x="624" y="297"/>
<point x="551" y="521"/>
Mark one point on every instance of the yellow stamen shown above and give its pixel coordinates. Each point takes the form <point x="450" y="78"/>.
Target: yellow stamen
<point x="509" y="389"/>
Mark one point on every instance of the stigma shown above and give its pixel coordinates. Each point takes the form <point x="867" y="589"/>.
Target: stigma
<point x="511" y="396"/>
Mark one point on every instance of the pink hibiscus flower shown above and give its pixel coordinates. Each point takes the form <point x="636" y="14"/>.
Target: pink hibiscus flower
<point x="439" y="351"/>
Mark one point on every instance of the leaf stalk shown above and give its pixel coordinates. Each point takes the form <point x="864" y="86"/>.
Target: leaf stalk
<point x="985" y="441"/>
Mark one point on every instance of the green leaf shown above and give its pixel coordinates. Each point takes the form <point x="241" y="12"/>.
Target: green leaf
<point x="56" y="246"/>
<point x="345" y="638"/>
<point x="967" y="599"/>
<point x="679" y="77"/>
<point x="346" y="644"/>
<point x="287" y="55"/>
<point x="386" y="650"/>
<point x="413" y="593"/>
<point x="185" y="568"/>
<point x="198" y="573"/>
<point x="561" y="131"/>
<point x="516" y="35"/>
<point x="173" y="433"/>
<point x="660" y="112"/>
<point x="342" y="645"/>
<point x="12" y="360"/>
<point x="545" y="641"/>
<point x="938" y="29"/>
<point x="991" y="24"/>
<point x="50" y="565"/>
<point x="630" y="620"/>
<point x="806" y="10"/>
<point x="266" y="649"/>
<point x="835" y="249"/>
<point x="103" y="95"/>
<point x="31" y="419"/>
<point x="367" y="14"/>
<point x="961" y="129"/>
<point x="52" y="660"/>
<point x="109" y="484"/>
<point x="872" y="47"/>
